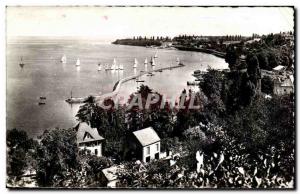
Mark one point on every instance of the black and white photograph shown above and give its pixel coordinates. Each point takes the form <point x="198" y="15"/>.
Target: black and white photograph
<point x="150" y="97"/>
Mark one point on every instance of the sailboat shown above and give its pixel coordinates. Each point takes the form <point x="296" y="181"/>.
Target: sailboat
<point x="121" y="67"/>
<point x="78" y="62"/>
<point x="107" y="67"/>
<point x="99" y="67"/>
<point x="21" y="63"/>
<point x="114" y="65"/>
<point x="177" y="60"/>
<point x="152" y="61"/>
<point x="63" y="59"/>
<point x="155" y="56"/>
<point x="146" y="61"/>
<point x="135" y="63"/>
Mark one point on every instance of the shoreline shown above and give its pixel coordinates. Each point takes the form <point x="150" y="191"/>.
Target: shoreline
<point x="185" y="48"/>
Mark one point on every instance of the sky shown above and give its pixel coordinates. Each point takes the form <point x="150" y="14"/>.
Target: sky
<point x="123" y="22"/>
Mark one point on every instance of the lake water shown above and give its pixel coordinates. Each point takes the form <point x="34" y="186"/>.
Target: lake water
<point x="44" y="75"/>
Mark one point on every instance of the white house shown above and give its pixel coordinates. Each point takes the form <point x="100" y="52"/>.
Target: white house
<point x="284" y="86"/>
<point x="147" y="144"/>
<point x="279" y="69"/>
<point x="89" y="139"/>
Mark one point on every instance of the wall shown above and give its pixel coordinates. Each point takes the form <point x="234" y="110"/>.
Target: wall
<point x="279" y="90"/>
<point x="92" y="149"/>
<point x="153" y="151"/>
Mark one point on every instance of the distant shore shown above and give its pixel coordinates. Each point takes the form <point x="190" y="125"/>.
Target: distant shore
<point x="157" y="44"/>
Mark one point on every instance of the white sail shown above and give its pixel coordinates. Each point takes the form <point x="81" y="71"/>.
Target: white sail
<point x="63" y="59"/>
<point x="155" y="56"/>
<point x="135" y="63"/>
<point x="78" y="62"/>
<point x="114" y="65"/>
<point x="178" y="60"/>
<point x="99" y="67"/>
<point x="152" y="62"/>
<point x="121" y="67"/>
<point x="146" y="61"/>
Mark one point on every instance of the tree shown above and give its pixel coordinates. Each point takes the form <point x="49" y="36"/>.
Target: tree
<point x="267" y="85"/>
<point x="263" y="60"/>
<point x="57" y="158"/>
<point x="231" y="57"/>
<point x="18" y="145"/>
<point x="93" y="166"/>
<point x="253" y="69"/>
<point x="212" y="83"/>
<point x="86" y="111"/>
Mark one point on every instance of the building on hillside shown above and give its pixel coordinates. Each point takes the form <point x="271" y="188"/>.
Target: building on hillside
<point x="253" y="40"/>
<point x="284" y="86"/>
<point x="89" y="139"/>
<point x="109" y="176"/>
<point x="279" y="69"/>
<point x="145" y="145"/>
<point x="232" y="42"/>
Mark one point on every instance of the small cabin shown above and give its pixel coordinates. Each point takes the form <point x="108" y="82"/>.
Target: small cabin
<point x="284" y="86"/>
<point x="146" y="144"/>
<point x="89" y="139"/>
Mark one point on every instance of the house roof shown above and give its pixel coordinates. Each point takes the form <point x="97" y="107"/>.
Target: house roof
<point x="111" y="173"/>
<point x="146" y="136"/>
<point x="278" y="68"/>
<point x="87" y="134"/>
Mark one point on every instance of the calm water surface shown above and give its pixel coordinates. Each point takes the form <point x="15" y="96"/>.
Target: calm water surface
<point x="44" y="75"/>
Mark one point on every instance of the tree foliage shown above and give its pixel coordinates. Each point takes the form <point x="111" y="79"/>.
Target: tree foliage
<point x="57" y="157"/>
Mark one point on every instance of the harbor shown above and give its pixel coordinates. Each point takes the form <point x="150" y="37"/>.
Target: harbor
<point x="55" y="76"/>
<point x="119" y="84"/>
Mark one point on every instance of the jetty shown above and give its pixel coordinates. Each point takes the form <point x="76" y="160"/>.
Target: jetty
<point x="118" y="85"/>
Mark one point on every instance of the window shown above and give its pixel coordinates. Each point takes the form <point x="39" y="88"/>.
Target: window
<point x="148" y="150"/>
<point x="156" y="156"/>
<point x="148" y="159"/>
<point x="96" y="152"/>
<point x="157" y="147"/>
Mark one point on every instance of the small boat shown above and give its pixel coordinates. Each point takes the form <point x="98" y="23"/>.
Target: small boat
<point x="21" y="63"/>
<point x="99" y="67"/>
<point x="43" y="97"/>
<point x="160" y="70"/>
<point x="155" y="56"/>
<point x="146" y="61"/>
<point x="178" y="60"/>
<point x="42" y="103"/>
<point x="63" y="59"/>
<point x="135" y="63"/>
<point x="78" y="62"/>
<point x="140" y="80"/>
